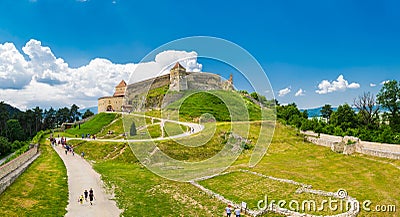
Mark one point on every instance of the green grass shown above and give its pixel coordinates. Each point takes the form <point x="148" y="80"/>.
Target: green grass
<point x="42" y="190"/>
<point x="251" y="188"/>
<point x="172" y="129"/>
<point x="116" y="127"/>
<point x="288" y="157"/>
<point x="291" y="158"/>
<point x="223" y="105"/>
<point x="94" y="125"/>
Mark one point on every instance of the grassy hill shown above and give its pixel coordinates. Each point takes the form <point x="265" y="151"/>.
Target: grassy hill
<point x="94" y="125"/>
<point x="223" y="105"/>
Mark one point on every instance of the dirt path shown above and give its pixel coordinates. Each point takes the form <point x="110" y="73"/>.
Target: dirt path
<point x="81" y="176"/>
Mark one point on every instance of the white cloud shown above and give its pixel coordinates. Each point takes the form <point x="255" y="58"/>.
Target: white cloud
<point x="300" y="92"/>
<point x="372" y="85"/>
<point x="339" y="85"/>
<point x="45" y="80"/>
<point x="284" y="91"/>
<point x="14" y="69"/>
<point x="384" y="82"/>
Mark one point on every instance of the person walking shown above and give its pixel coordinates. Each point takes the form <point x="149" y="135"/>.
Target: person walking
<point x="91" y="196"/>
<point x="228" y="211"/>
<point x="82" y="154"/>
<point x="237" y="212"/>
<point x="86" y="193"/>
<point x="80" y="200"/>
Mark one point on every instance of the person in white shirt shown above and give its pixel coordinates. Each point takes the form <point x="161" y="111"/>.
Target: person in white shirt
<point x="237" y="212"/>
<point x="228" y="210"/>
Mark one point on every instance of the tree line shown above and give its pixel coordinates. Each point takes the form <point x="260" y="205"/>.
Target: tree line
<point x="375" y="119"/>
<point x="17" y="127"/>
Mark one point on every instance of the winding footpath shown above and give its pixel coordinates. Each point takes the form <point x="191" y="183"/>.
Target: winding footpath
<point x="82" y="176"/>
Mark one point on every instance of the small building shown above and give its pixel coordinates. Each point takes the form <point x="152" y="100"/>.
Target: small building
<point x="114" y="103"/>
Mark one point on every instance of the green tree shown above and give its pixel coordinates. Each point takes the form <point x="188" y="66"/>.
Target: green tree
<point x="304" y="114"/>
<point x="49" y="120"/>
<point x="254" y="95"/>
<point x="344" y="117"/>
<point x="62" y="115"/>
<point x="38" y="118"/>
<point x="87" y="114"/>
<point x="4" y="116"/>
<point x="74" y="114"/>
<point x="5" y="146"/>
<point x="14" y="131"/>
<point x="326" y="112"/>
<point x="389" y="98"/>
<point x="286" y="112"/>
<point x="133" y="129"/>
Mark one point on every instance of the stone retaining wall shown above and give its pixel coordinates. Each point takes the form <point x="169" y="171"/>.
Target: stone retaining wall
<point x="10" y="171"/>
<point x="369" y="148"/>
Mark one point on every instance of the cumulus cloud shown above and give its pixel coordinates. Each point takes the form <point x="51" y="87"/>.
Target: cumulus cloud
<point x="14" y="70"/>
<point x="372" y="85"/>
<point x="300" y="92"/>
<point x="284" y="91"/>
<point x="45" y="80"/>
<point x="339" y="85"/>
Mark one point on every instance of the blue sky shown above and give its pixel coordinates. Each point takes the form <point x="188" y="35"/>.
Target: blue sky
<point x="352" y="45"/>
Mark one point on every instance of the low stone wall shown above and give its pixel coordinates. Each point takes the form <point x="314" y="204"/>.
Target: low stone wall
<point x="369" y="148"/>
<point x="10" y="171"/>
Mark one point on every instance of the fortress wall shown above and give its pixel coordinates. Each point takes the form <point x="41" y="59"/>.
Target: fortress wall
<point x="369" y="148"/>
<point x="141" y="87"/>
<point x="10" y="171"/>
<point x="115" y="102"/>
<point x="204" y="81"/>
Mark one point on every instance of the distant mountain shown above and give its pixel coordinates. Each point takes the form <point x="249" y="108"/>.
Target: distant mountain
<point x="316" y="112"/>
<point x="92" y="109"/>
<point x="11" y="110"/>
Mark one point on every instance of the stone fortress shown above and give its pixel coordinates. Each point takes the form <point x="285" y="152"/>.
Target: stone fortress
<point x="127" y="97"/>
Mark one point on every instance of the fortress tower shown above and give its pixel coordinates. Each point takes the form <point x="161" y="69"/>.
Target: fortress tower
<point x="115" y="102"/>
<point x="178" y="80"/>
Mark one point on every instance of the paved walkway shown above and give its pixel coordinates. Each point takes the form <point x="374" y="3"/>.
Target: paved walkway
<point x="81" y="176"/>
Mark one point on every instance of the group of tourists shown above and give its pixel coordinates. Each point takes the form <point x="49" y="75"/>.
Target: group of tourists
<point x="87" y="194"/>
<point x="229" y="210"/>
<point x="88" y="136"/>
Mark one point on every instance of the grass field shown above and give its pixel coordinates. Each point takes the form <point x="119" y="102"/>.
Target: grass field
<point x="42" y="190"/>
<point x="142" y="193"/>
<point x="288" y="157"/>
